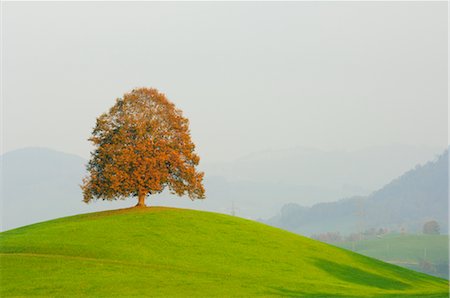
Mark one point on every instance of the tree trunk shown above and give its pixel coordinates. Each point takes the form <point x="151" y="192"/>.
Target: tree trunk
<point x="141" y="200"/>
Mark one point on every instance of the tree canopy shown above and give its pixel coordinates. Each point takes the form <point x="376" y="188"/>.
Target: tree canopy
<point x="431" y="227"/>
<point x="142" y="145"/>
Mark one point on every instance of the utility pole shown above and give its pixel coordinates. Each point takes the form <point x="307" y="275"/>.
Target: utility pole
<point x="233" y="209"/>
<point x="360" y="215"/>
<point x="387" y="250"/>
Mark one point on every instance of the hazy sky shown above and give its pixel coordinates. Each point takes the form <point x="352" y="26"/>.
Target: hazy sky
<point x="250" y="76"/>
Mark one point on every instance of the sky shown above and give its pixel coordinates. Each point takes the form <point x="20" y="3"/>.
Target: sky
<point x="250" y="76"/>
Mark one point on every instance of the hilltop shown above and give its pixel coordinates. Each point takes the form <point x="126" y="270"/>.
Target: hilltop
<point x="177" y="252"/>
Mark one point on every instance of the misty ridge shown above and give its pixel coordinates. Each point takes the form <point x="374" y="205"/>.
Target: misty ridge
<point x="256" y="186"/>
<point x="401" y="206"/>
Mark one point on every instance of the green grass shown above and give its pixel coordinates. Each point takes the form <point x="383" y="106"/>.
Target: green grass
<point x="176" y="252"/>
<point x="407" y="250"/>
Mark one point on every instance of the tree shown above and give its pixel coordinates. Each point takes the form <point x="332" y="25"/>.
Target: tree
<point x="431" y="227"/>
<point x="142" y="145"/>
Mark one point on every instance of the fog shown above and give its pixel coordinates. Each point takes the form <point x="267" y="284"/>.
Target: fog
<point x="251" y="76"/>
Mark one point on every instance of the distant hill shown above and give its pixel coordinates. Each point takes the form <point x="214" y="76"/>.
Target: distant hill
<point x="405" y="203"/>
<point x="307" y="176"/>
<point x="41" y="184"/>
<point x="168" y="252"/>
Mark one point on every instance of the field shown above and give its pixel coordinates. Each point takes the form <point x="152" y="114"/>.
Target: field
<point x="177" y="252"/>
<point x="425" y="253"/>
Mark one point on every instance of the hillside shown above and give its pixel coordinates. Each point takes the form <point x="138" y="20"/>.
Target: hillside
<point x="424" y="253"/>
<point x="177" y="252"/>
<point x="407" y="202"/>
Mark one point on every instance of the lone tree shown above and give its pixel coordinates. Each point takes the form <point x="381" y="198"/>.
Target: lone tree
<point x="142" y="145"/>
<point x="431" y="227"/>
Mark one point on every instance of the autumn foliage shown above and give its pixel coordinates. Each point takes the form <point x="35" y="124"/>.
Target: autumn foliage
<point x="142" y="145"/>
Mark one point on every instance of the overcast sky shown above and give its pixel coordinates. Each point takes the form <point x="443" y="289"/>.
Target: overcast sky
<point x="250" y="76"/>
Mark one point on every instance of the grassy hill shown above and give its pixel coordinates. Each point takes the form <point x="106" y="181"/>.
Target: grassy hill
<point x="425" y="253"/>
<point x="177" y="252"/>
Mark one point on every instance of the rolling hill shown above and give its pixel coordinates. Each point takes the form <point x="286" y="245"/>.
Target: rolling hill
<point x="170" y="252"/>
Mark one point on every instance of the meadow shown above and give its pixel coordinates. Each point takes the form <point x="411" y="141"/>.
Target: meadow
<point x="425" y="253"/>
